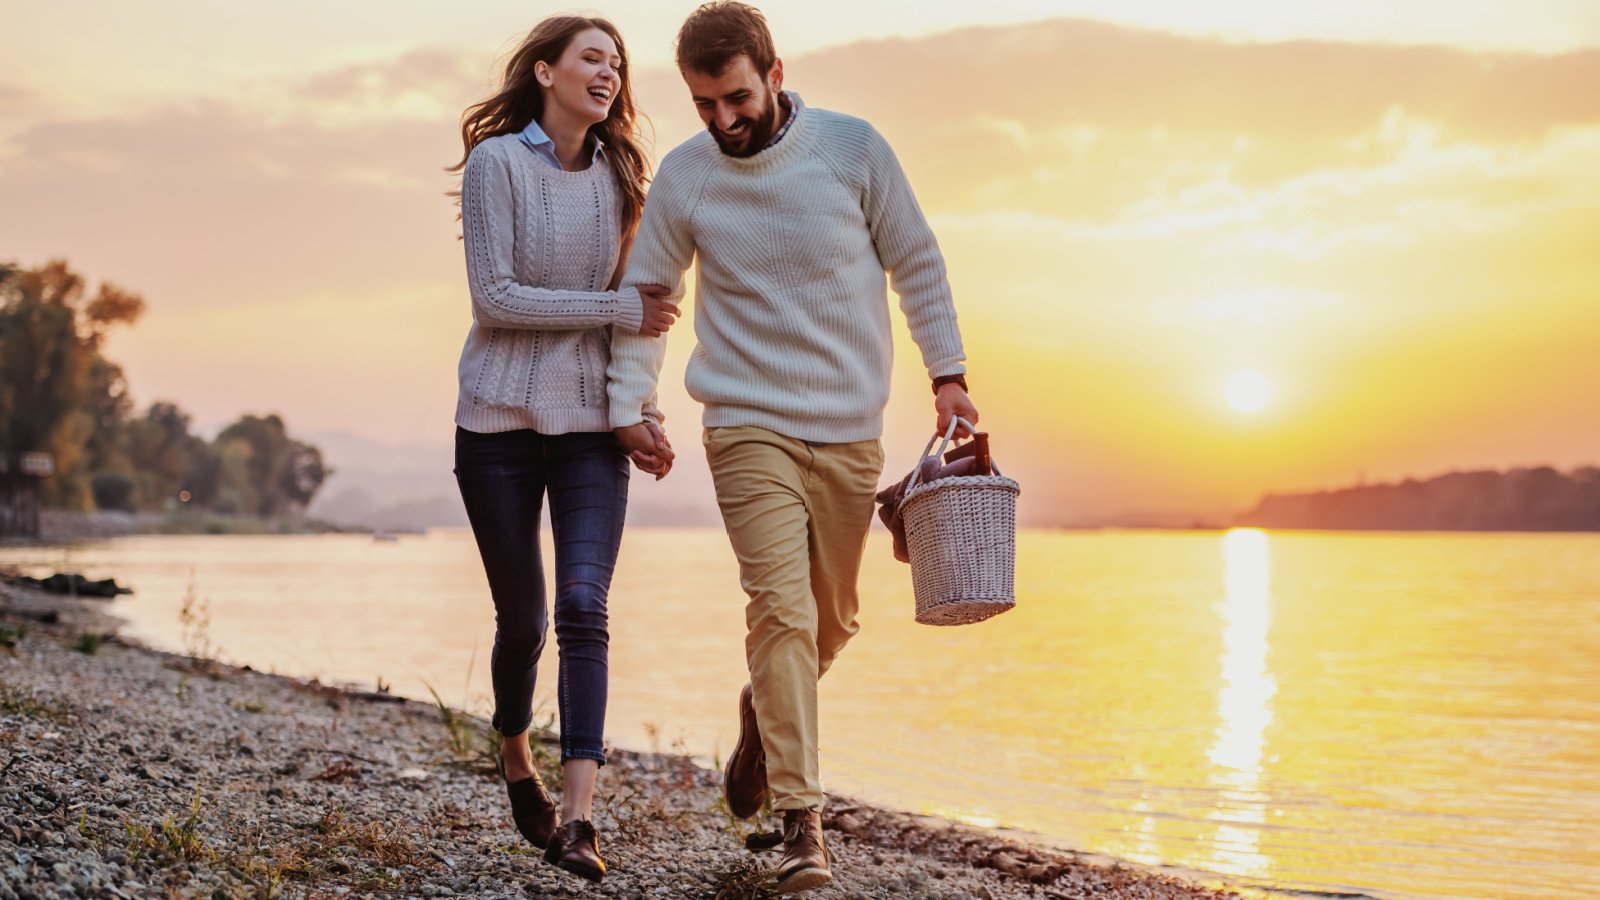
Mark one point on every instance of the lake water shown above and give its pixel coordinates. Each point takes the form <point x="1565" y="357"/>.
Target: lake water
<point x="1395" y="715"/>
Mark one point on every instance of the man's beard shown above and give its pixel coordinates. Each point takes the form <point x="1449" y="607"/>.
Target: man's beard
<point x="761" y="131"/>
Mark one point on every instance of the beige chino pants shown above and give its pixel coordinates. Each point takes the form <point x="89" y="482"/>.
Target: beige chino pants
<point x="797" y="515"/>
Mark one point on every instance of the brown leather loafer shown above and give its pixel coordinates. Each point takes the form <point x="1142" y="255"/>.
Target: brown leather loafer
<point x="533" y="809"/>
<point x="805" y="859"/>
<point x="744" y="775"/>
<point x="576" y="849"/>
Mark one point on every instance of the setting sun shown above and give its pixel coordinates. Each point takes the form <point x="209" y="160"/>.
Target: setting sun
<point x="1247" y="390"/>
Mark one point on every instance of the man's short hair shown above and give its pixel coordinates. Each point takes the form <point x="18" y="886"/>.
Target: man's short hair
<point x="718" y="32"/>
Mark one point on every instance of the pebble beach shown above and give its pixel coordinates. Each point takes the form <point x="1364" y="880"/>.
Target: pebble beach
<point x="127" y="772"/>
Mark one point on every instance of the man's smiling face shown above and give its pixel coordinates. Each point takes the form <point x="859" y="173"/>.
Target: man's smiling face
<point x="739" y="105"/>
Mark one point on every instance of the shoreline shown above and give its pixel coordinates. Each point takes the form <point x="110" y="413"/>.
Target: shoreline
<point x="132" y="772"/>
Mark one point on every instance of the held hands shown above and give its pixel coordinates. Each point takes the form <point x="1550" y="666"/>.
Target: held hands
<point x="953" y="401"/>
<point x="658" y="313"/>
<point x="647" y="445"/>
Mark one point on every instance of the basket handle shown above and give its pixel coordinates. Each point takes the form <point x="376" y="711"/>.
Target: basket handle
<point x="949" y="435"/>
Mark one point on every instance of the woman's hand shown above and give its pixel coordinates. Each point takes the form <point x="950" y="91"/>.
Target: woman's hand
<point x="647" y="445"/>
<point x="658" y="313"/>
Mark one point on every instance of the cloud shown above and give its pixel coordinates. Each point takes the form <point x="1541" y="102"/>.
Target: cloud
<point x="428" y="84"/>
<point x="1092" y="119"/>
<point x="1065" y="72"/>
<point x="16" y="100"/>
<point x="206" y="204"/>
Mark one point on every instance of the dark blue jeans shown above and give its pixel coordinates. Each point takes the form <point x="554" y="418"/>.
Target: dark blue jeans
<point x="504" y="478"/>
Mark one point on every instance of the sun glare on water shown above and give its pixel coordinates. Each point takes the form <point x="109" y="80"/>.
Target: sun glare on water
<point x="1247" y="391"/>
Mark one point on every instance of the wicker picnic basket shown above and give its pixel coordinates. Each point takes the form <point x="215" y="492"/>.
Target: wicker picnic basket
<point x="962" y="536"/>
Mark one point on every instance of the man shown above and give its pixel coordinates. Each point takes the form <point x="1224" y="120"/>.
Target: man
<point x="794" y="215"/>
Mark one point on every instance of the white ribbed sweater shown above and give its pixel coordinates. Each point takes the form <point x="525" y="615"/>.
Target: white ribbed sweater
<point x="541" y="247"/>
<point x="791" y="311"/>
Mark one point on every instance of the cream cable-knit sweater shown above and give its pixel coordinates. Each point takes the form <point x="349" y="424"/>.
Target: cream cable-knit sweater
<point x="541" y="246"/>
<point x="791" y="310"/>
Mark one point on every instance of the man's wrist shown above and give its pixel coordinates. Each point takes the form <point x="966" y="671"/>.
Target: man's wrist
<point x="943" y="380"/>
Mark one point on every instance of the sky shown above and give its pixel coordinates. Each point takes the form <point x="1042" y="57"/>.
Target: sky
<point x="1389" y="212"/>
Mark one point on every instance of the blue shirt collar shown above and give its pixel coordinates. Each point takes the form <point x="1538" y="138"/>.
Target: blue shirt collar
<point x="544" y="146"/>
<point x="794" y="110"/>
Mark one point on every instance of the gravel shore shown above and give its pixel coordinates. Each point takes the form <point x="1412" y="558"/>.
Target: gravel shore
<point x="126" y="772"/>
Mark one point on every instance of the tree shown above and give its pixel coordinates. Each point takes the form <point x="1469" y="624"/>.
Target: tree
<point x="303" y="474"/>
<point x="264" y="471"/>
<point x="58" y="394"/>
<point x="162" y="457"/>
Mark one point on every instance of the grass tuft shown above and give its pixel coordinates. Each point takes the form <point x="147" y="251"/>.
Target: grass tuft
<point x="748" y="880"/>
<point x="21" y="701"/>
<point x="195" y="617"/>
<point x="174" y="840"/>
<point x="11" y="636"/>
<point x="461" y="732"/>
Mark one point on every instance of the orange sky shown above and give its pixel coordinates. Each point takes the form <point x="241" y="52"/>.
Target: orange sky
<point x="1404" y="239"/>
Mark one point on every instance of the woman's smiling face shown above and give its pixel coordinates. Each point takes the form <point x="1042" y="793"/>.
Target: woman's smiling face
<point x="585" y="81"/>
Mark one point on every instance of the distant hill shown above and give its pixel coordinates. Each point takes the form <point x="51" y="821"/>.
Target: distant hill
<point x="1537" y="499"/>
<point x="389" y="487"/>
<point x="411" y="487"/>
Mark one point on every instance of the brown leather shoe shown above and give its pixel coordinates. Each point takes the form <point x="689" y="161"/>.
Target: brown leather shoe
<point x="533" y="809"/>
<point x="576" y="849"/>
<point x="805" y="858"/>
<point x="744" y="775"/>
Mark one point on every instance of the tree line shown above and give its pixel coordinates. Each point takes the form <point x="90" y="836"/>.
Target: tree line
<point x="61" y="395"/>
<point x="1532" y="499"/>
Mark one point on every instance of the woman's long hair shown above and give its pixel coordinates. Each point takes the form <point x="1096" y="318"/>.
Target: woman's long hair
<point x="519" y="101"/>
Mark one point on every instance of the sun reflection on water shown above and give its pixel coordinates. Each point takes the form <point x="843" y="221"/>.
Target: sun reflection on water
<point x="1244" y="705"/>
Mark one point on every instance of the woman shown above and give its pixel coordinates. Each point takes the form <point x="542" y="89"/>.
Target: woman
<point x="551" y="193"/>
